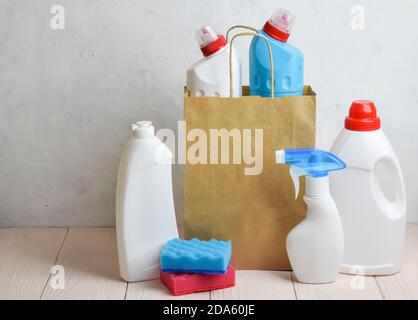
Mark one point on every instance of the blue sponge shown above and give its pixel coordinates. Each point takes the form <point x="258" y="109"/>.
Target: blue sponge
<point x="195" y="256"/>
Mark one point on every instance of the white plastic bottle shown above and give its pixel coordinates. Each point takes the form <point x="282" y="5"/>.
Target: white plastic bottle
<point x="374" y="226"/>
<point x="315" y="246"/>
<point x="145" y="216"/>
<point x="209" y="76"/>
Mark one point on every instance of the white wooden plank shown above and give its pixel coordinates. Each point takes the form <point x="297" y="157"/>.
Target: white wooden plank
<point x="256" y="285"/>
<point x="26" y="258"/>
<point x="404" y="285"/>
<point x="346" y="287"/>
<point x="155" y="290"/>
<point x="89" y="257"/>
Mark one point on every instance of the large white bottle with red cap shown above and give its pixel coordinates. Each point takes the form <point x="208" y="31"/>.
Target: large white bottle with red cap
<point x="372" y="214"/>
<point x="145" y="217"/>
<point x="209" y="76"/>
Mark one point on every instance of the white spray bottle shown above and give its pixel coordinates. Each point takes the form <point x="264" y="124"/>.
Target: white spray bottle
<point x="316" y="245"/>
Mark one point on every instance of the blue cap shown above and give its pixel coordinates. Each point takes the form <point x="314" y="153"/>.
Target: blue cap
<point x="314" y="162"/>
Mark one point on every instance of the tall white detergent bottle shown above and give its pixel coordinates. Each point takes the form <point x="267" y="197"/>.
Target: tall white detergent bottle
<point x="210" y="76"/>
<point x="373" y="224"/>
<point x="315" y="246"/>
<point x="145" y="216"/>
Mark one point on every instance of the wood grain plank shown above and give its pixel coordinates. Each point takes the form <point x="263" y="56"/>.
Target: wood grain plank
<point x="155" y="290"/>
<point x="89" y="257"/>
<point x="346" y="287"/>
<point x="26" y="258"/>
<point x="256" y="285"/>
<point x="404" y="285"/>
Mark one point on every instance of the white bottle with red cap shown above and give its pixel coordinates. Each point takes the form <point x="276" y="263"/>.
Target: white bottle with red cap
<point x="372" y="208"/>
<point x="209" y="76"/>
<point x="145" y="216"/>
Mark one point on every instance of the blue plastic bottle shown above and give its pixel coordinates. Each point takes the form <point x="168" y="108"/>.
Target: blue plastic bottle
<point x="288" y="60"/>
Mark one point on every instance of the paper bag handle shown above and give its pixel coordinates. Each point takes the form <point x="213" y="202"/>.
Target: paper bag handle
<point x="270" y="57"/>
<point x="241" y="27"/>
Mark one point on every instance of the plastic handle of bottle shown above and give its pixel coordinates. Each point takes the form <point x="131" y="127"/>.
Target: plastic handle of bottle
<point x="231" y="88"/>
<point x="392" y="209"/>
<point x="239" y="26"/>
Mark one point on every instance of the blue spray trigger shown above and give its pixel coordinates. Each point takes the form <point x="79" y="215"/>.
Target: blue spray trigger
<point x="311" y="162"/>
<point x="314" y="161"/>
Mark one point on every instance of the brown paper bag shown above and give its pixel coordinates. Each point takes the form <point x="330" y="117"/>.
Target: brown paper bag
<point x="255" y="211"/>
<point x="239" y="193"/>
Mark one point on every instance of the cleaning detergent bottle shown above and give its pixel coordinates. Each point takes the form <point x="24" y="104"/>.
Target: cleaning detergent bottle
<point x="210" y="76"/>
<point x="145" y="217"/>
<point x="288" y="60"/>
<point x="315" y="246"/>
<point x="372" y="202"/>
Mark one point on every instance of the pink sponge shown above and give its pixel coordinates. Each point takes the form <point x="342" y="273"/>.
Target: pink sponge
<point x="184" y="283"/>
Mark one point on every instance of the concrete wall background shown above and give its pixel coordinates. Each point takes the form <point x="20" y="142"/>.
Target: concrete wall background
<point x="67" y="97"/>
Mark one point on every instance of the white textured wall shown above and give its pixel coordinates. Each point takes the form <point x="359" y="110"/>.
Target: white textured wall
<point x="67" y="97"/>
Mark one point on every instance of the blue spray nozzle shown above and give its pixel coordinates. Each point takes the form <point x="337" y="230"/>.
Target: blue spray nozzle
<point x="311" y="162"/>
<point x="315" y="162"/>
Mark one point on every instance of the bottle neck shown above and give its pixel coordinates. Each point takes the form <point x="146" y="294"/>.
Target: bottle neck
<point x="275" y="32"/>
<point x="143" y="130"/>
<point x="217" y="52"/>
<point x="316" y="187"/>
<point x="214" y="46"/>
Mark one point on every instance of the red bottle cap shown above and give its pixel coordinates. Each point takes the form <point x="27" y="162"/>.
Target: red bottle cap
<point x="362" y="116"/>
<point x="280" y="24"/>
<point x="214" y="46"/>
<point x="209" y="40"/>
<point x="275" y="33"/>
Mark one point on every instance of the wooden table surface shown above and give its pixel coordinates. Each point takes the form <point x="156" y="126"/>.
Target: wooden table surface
<point x="89" y="260"/>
